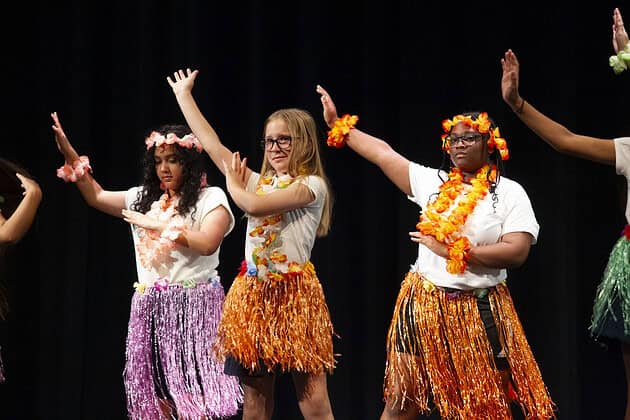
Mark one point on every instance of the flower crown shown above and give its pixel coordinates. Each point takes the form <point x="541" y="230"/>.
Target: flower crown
<point x="188" y="141"/>
<point x="482" y="124"/>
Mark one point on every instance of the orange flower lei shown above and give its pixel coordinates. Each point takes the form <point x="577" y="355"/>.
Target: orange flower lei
<point x="446" y="228"/>
<point x="267" y="261"/>
<point x="340" y="129"/>
<point x="482" y="125"/>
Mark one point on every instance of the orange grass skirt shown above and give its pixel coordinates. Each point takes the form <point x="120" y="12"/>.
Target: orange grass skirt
<point x="278" y="325"/>
<point x="448" y="359"/>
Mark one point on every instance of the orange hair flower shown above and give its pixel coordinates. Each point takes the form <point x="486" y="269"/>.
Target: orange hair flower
<point x="482" y="125"/>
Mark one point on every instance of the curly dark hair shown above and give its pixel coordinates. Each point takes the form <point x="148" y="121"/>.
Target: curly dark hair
<point x="194" y="166"/>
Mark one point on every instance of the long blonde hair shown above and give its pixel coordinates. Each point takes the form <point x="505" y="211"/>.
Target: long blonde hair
<point x="304" y="158"/>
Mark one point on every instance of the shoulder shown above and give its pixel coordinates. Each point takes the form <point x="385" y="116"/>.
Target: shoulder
<point x="510" y="186"/>
<point x="131" y="195"/>
<point x="212" y="196"/>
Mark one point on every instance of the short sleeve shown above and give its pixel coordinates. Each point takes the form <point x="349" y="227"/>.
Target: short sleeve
<point x="520" y="215"/>
<point x="212" y="198"/>
<point x="252" y="182"/>
<point x="317" y="186"/>
<point x="130" y="196"/>
<point x="424" y="182"/>
<point x="622" y="156"/>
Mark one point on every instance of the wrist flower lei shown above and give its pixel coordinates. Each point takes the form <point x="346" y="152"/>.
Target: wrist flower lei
<point x="340" y="129"/>
<point x="76" y="171"/>
<point x="482" y="125"/>
<point x="621" y="60"/>
<point x="446" y="226"/>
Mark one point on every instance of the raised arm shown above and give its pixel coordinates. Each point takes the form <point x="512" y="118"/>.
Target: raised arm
<point x="619" y="34"/>
<point x="375" y="150"/>
<point x="295" y="196"/>
<point x="182" y="84"/>
<point x="110" y="202"/>
<point x="556" y="135"/>
<point x="16" y="226"/>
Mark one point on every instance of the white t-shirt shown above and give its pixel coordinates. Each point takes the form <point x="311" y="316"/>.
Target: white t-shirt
<point x="295" y="231"/>
<point x="485" y="225"/>
<point x="622" y="164"/>
<point x="182" y="263"/>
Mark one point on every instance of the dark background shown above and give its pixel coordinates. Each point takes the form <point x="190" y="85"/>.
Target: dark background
<point x="402" y="67"/>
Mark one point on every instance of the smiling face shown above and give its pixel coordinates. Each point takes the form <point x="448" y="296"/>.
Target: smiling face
<point x="467" y="148"/>
<point x="168" y="168"/>
<point x="278" y="151"/>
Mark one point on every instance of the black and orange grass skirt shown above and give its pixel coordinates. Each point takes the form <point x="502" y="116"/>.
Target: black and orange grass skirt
<point x="280" y="326"/>
<point x="447" y="359"/>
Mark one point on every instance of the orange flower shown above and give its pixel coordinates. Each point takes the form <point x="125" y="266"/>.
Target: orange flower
<point x="340" y="129"/>
<point x="445" y="226"/>
<point x="482" y="125"/>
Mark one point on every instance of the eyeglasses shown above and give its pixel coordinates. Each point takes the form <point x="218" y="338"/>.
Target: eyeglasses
<point x="282" y="142"/>
<point x="466" y="140"/>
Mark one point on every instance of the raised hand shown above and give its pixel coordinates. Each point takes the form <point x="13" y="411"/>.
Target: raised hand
<point x="329" y="110"/>
<point x="619" y="34"/>
<point x="30" y="186"/>
<point x="510" y="79"/>
<point x="182" y="82"/>
<point x="63" y="144"/>
<point x="235" y="172"/>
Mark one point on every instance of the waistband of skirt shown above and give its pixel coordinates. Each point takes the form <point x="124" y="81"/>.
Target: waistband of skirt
<point x="453" y="293"/>
<point x="164" y="283"/>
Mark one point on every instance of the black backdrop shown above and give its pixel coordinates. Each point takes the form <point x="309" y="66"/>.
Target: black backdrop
<point x="402" y="67"/>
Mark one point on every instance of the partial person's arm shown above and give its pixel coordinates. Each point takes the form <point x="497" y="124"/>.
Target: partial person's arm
<point x="511" y="251"/>
<point x="556" y="135"/>
<point x="110" y="202"/>
<point x="205" y="241"/>
<point x="182" y="84"/>
<point x="296" y="195"/>
<point x="375" y="150"/>
<point x="16" y="226"/>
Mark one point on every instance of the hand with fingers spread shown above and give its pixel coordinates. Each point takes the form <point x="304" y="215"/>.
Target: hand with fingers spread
<point x="182" y="81"/>
<point x="619" y="34"/>
<point x="329" y="109"/>
<point x="510" y="79"/>
<point x="30" y="186"/>
<point x="63" y="144"/>
<point x="235" y="173"/>
<point x="430" y="242"/>
<point x="142" y="220"/>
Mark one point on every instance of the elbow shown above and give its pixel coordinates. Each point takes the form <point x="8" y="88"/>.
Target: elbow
<point x="209" y="250"/>
<point x="518" y="260"/>
<point x="9" y="238"/>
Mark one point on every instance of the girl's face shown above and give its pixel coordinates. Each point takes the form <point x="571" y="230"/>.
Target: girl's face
<point x="277" y="144"/>
<point x="168" y="168"/>
<point x="467" y="148"/>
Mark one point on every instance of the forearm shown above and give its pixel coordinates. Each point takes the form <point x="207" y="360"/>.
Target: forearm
<point x="199" y="242"/>
<point x="202" y="129"/>
<point x="564" y="140"/>
<point x="110" y="202"/>
<point x="499" y="255"/>
<point x="16" y="226"/>
<point x="247" y="201"/>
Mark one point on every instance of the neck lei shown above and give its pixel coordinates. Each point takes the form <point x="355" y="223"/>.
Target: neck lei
<point x="446" y="226"/>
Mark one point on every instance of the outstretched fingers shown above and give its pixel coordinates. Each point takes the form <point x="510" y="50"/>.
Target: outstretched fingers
<point x="330" y="111"/>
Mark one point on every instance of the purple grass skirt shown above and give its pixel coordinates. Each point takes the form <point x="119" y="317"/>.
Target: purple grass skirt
<point x="170" y="355"/>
